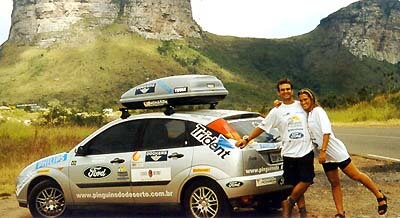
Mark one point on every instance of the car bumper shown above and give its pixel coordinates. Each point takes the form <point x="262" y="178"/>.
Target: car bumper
<point x="251" y="189"/>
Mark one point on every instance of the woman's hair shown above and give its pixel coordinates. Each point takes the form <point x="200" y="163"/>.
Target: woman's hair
<point x="310" y="94"/>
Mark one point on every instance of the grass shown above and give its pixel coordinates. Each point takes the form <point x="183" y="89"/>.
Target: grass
<point x="20" y="145"/>
<point x="381" y="111"/>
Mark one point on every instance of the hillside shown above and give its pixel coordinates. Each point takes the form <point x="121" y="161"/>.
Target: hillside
<point x="90" y="68"/>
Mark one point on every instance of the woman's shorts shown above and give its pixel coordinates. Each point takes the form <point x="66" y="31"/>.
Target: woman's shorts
<point x="300" y="169"/>
<point x="329" y="166"/>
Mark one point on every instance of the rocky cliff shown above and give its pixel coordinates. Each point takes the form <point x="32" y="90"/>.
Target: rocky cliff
<point x="368" y="28"/>
<point x="46" y="21"/>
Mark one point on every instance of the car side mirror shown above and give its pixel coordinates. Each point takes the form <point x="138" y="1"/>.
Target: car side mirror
<point x="81" y="151"/>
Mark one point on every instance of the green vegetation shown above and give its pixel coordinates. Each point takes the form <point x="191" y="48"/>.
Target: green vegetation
<point x="21" y="144"/>
<point x="383" y="110"/>
<point x="91" y="70"/>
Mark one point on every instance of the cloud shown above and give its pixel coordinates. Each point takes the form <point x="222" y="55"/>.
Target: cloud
<point x="263" y="18"/>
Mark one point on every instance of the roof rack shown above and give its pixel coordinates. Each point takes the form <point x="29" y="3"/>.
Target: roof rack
<point x="172" y="91"/>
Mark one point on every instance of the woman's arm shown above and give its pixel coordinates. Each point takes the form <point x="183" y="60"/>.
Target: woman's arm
<point x="324" y="147"/>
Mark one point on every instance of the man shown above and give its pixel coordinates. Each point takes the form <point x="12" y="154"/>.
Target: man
<point x="297" y="149"/>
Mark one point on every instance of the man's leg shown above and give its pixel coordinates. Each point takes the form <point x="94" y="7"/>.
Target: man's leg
<point x="297" y="193"/>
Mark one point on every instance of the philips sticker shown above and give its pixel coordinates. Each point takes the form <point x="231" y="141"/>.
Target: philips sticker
<point x="97" y="172"/>
<point x="52" y="160"/>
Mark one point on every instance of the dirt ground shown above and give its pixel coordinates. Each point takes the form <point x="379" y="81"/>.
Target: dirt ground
<point x="359" y="202"/>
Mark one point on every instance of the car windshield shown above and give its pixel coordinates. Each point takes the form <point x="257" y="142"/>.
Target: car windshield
<point x="245" y="126"/>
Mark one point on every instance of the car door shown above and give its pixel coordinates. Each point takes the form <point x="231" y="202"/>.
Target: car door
<point x="162" y="162"/>
<point x="100" y="172"/>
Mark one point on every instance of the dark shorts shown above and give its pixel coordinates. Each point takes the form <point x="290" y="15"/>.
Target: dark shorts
<point x="300" y="169"/>
<point x="334" y="165"/>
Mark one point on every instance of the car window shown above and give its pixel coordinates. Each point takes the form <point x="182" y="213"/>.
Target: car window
<point x="122" y="137"/>
<point x="164" y="133"/>
<point x="245" y="126"/>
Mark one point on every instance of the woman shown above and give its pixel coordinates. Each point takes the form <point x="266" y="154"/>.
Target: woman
<point x="333" y="154"/>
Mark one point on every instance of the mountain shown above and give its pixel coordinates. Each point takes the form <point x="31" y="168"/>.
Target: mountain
<point x="45" y="22"/>
<point x="368" y="29"/>
<point x="87" y="53"/>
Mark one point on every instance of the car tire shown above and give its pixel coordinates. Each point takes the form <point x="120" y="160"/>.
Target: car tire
<point x="206" y="199"/>
<point x="47" y="200"/>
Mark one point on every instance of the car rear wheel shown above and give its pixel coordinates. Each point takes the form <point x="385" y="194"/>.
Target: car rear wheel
<point x="206" y="199"/>
<point x="47" y="200"/>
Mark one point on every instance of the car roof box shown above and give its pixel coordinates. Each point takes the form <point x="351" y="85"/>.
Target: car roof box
<point x="175" y="90"/>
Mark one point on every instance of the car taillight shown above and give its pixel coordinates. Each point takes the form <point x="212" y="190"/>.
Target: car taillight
<point x="223" y="127"/>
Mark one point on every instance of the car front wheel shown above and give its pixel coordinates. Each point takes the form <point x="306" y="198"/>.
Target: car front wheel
<point x="206" y="199"/>
<point x="47" y="200"/>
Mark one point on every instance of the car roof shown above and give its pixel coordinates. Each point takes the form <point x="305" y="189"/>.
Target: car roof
<point x="203" y="116"/>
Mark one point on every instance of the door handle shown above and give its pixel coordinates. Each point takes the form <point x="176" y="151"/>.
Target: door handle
<point x="175" y="155"/>
<point x="117" y="160"/>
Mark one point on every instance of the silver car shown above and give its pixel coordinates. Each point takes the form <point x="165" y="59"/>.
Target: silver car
<point x="187" y="158"/>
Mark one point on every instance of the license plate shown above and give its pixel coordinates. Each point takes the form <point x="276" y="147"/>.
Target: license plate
<point x="265" y="181"/>
<point x="275" y="157"/>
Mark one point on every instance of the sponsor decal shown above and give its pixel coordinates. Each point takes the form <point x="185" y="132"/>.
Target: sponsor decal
<point x="155" y="103"/>
<point x="234" y="184"/>
<point x="218" y="145"/>
<point x="263" y="169"/>
<point x="147" y="88"/>
<point x="265" y="181"/>
<point x="295" y="128"/>
<point x="51" y="160"/>
<point x="122" y="173"/>
<point x="136" y="156"/>
<point x="139" y="164"/>
<point x="201" y="170"/>
<point x="97" y="172"/>
<point x="152" y="156"/>
<point x="267" y="145"/>
<point x="181" y="89"/>
<point x="151" y="174"/>
<point x="108" y="195"/>
<point x="73" y="163"/>
<point x="296" y="135"/>
<point x="43" y="171"/>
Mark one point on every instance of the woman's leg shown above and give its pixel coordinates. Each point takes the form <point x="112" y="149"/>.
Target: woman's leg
<point x="334" y="179"/>
<point x="352" y="171"/>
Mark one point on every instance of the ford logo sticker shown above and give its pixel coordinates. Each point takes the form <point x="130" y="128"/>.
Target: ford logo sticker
<point x="97" y="172"/>
<point x="234" y="184"/>
<point x="296" y="135"/>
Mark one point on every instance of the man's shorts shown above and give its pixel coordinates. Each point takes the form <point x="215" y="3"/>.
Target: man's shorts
<point x="329" y="166"/>
<point x="300" y="169"/>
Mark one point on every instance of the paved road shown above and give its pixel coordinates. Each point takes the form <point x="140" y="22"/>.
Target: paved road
<point x="380" y="142"/>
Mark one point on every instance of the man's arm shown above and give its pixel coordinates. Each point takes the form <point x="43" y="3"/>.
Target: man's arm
<point x="254" y="134"/>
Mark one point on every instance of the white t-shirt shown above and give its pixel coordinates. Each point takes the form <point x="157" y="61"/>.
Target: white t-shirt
<point x="319" y="124"/>
<point x="291" y="121"/>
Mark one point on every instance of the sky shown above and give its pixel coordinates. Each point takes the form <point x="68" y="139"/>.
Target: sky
<point x="243" y="18"/>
